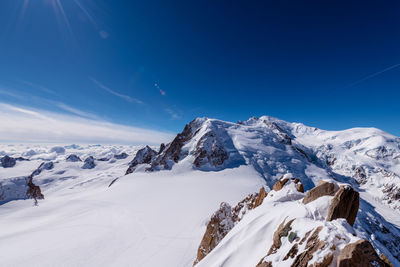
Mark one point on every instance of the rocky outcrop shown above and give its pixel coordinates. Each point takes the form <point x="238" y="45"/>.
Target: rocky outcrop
<point x="209" y="150"/>
<point x="73" y="158"/>
<point x="8" y="162"/>
<point x="392" y="192"/>
<point x="322" y="189"/>
<point x="33" y="191"/>
<point x="219" y="225"/>
<point x="360" y="175"/>
<point x="360" y="254"/>
<point x="43" y="166"/>
<point x="172" y="151"/>
<point x="223" y="220"/>
<point x="250" y="202"/>
<point x="283" y="181"/>
<point x="283" y="230"/>
<point x="123" y="155"/>
<point x="144" y="155"/>
<point x="344" y="204"/>
<point x="313" y="245"/>
<point x="89" y="163"/>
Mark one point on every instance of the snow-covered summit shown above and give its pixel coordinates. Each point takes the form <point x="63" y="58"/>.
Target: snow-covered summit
<point x="368" y="157"/>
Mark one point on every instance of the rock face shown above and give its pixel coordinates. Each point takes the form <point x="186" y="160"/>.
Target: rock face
<point x="344" y="204"/>
<point x="313" y="244"/>
<point x="44" y="166"/>
<point x="73" y="158"/>
<point x="7" y="162"/>
<point x="360" y="254"/>
<point x="33" y="191"/>
<point x="89" y="163"/>
<point x="283" y="230"/>
<point x="223" y="220"/>
<point x="209" y="150"/>
<point x="219" y="225"/>
<point x="322" y="189"/>
<point x="144" y="155"/>
<point x="123" y="155"/>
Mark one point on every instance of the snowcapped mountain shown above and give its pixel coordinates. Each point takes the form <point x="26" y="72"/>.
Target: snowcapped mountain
<point x="147" y="206"/>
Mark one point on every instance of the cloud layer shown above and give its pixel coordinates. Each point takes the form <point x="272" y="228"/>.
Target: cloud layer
<point x="29" y="125"/>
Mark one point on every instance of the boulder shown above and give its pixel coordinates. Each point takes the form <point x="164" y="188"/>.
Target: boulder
<point x="322" y="189"/>
<point x="280" y="183"/>
<point x="344" y="204"/>
<point x="8" y="162"/>
<point x="89" y="163"/>
<point x="359" y="254"/>
<point x="73" y="158"/>
<point x="283" y="181"/>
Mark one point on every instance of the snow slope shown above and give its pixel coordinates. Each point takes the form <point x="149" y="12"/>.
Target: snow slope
<point x="158" y="217"/>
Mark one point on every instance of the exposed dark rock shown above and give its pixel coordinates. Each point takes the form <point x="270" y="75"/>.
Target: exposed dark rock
<point x="263" y="263"/>
<point x="322" y="189"/>
<point x="223" y="220"/>
<point x="250" y="202"/>
<point x="21" y="159"/>
<point x="123" y="155"/>
<point x="283" y="181"/>
<point x="89" y="163"/>
<point x="33" y="191"/>
<point x="218" y="226"/>
<point x="283" y="230"/>
<point x="7" y="162"/>
<point x="172" y="153"/>
<point x="359" y="175"/>
<point x="143" y="156"/>
<point x="73" y="158"/>
<point x="313" y="244"/>
<point x="215" y="156"/>
<point x="359" y="254"/>
<point x="344" y="204"/>
<point x="161" y="149"/>
<point x="392" y="192"/>
<point x="43" y="166"/>
<point x="280" y="183"/>
<point x="292" y="252"/>
<point x="103" y="159"/>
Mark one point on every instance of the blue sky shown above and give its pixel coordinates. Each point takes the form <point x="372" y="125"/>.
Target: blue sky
<point x="158" y="64"/>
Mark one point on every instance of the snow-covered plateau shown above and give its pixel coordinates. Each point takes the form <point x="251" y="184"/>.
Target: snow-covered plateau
<point x="262" y="192"/>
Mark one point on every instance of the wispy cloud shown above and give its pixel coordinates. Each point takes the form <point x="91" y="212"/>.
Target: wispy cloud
<point x="175" y="115"/>
<point x="373" y="75"/>
<point x="22" y="124"/>
<point x="125" y="97"/>
<point x="38" y="86"/>
<point x="76" y="111"/>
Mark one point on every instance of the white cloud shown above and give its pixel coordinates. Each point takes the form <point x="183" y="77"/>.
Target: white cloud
<point x="19" y="124"/>
<point x="126" y="97"/>
<point x="175" y="115"/>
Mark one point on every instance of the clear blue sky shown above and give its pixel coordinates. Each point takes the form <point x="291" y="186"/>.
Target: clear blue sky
<point x="159" y="64"/>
